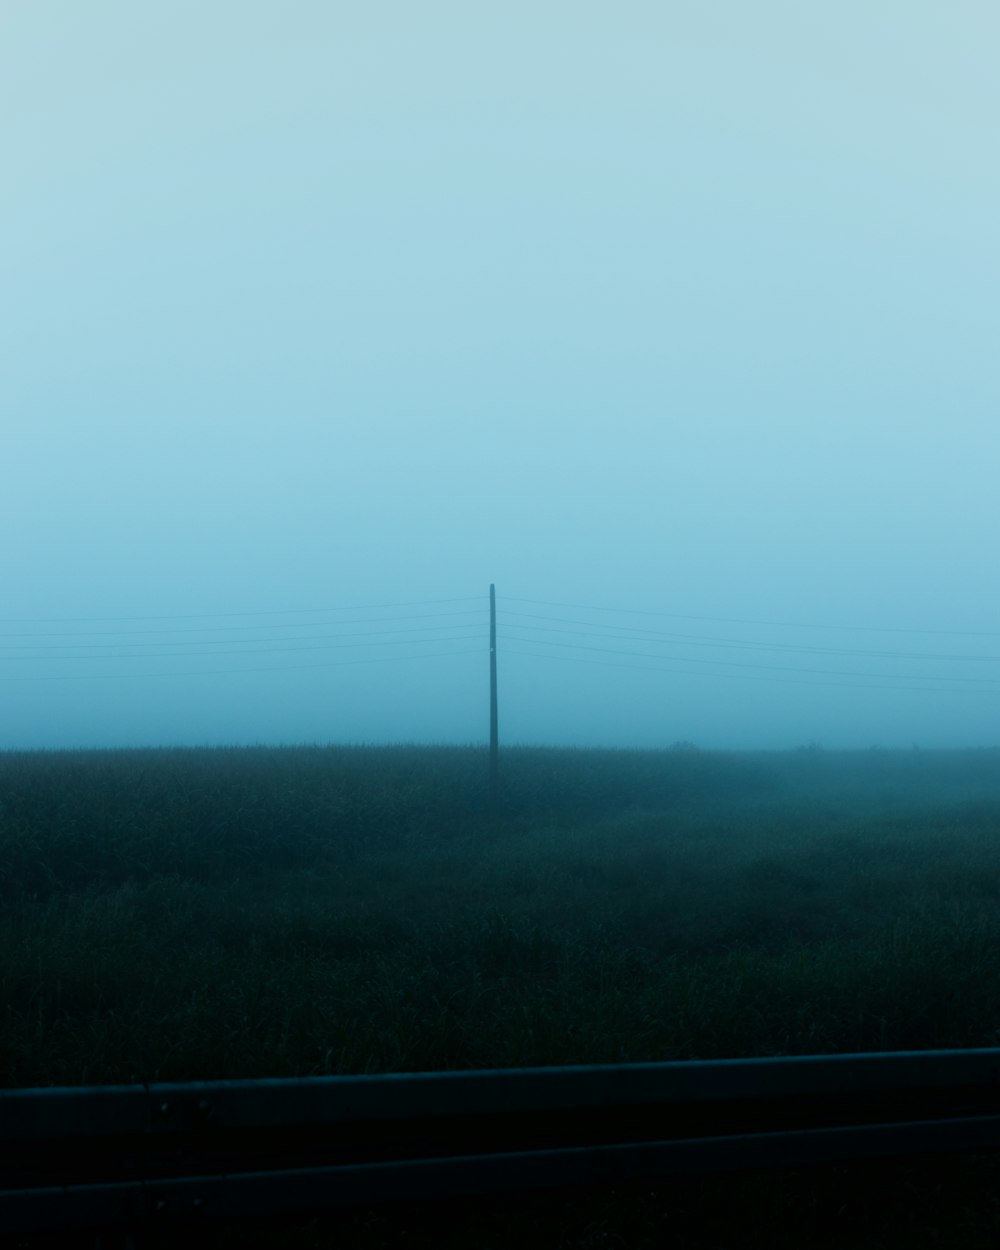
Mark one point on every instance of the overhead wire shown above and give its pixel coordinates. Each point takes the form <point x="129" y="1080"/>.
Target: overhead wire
<point x="224" y="642"/>
<point x="218" y="629"/>
<point x="165" y="644"/>
<point x="225" y="672"/>
<point x="735" y="664"/>
<point x="518" y="627"/>
<point x="256" y="650"/>
<point x="204" y="616"/>
<point x="742" y="620"/>
<point x="701" y="640"/>
<point x="526" y="628"/>
<point x="673" y="672"/>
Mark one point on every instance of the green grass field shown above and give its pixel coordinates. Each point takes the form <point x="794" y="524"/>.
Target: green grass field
<point x="180" y="914"/>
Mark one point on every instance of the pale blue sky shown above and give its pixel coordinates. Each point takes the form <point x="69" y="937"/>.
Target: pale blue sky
<point x="679" y="307"/>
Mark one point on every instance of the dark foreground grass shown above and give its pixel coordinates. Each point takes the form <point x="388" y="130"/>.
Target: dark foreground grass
<point x="171" y="915"/>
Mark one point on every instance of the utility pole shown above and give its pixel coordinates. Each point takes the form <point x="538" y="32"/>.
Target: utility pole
<point x="494" y="739"/>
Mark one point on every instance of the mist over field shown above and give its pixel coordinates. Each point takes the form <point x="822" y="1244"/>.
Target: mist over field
<point x="676" y="322"/>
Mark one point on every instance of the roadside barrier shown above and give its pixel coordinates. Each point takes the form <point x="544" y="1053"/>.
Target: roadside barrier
<point x="121" y="1157"/>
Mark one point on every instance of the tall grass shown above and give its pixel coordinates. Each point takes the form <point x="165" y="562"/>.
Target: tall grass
<point x="176" y="914"/>
<point x="170" y="915"/>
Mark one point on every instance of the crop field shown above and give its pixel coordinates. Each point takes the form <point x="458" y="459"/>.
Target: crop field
<point x="184" y="914"/>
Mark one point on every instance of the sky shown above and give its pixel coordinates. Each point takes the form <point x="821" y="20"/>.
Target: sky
<point x="676" y="321"/>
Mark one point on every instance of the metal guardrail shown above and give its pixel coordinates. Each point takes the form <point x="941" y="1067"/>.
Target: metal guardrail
<point x="120" y="1156"/>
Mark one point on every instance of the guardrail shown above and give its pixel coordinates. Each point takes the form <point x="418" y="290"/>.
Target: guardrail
<point x="117" y="1157"/>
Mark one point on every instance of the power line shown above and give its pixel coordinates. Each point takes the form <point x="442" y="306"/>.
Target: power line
<point x="222" y="642"/>
<point x="783" y="668"/>
<point x="617" y="632"/>
<point x="520" y="630"/>
<point x="219" y="629"/>
<point x="398" y="642"/>
<point x="899" y="685"/>
<point x="740" y="620"/>
<point x="225" y="672"/>
<point x="205" y="616"/>
<point x="779" y="681"/>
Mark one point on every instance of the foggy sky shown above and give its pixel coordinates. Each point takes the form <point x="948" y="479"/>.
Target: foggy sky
<point x="661" y="308"/>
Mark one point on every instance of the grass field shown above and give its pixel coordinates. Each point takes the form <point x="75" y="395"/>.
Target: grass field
<point x="179" y="914"/>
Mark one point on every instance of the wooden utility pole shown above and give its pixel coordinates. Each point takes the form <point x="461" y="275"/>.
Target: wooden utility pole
<point x="494" y="739"/>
